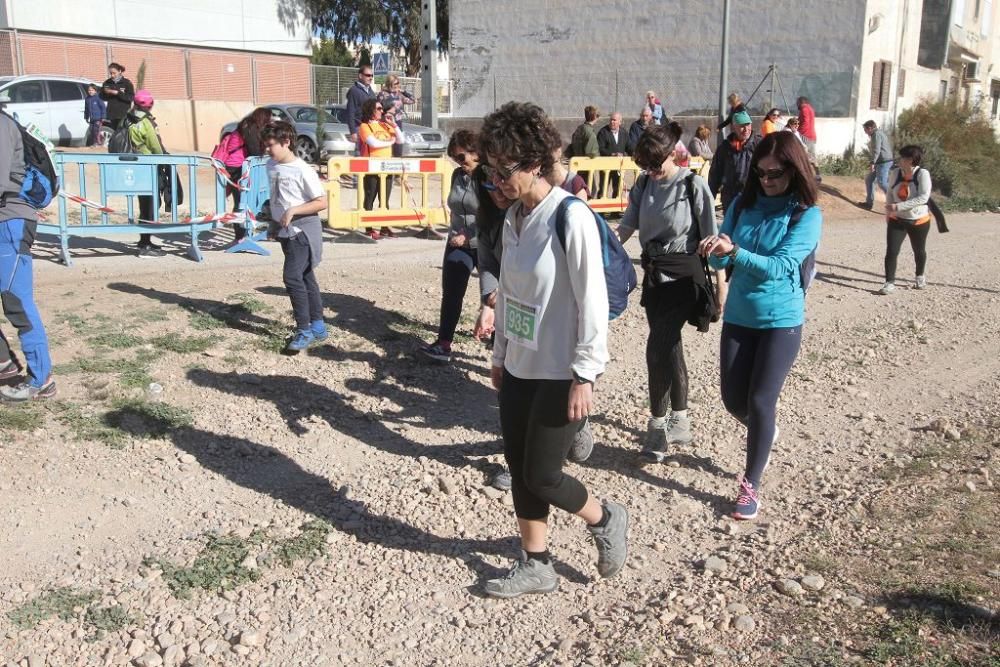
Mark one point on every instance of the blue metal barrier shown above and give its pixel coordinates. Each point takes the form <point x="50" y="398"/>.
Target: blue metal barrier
<point x="132" y="176"/>
<point x="257" y="191"/>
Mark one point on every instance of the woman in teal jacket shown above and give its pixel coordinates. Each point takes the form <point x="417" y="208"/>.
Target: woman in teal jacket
<point x="769" y="230"/>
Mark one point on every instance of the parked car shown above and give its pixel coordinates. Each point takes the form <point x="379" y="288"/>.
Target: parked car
<point x="303" y="118"/>
<point x="421" y="141"/>
<point x="53" y="103"/>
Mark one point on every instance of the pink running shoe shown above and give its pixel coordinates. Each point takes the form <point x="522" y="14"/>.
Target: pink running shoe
<point x="747" y="501"/>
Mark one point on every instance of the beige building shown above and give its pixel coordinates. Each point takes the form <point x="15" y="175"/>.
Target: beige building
<point x="207" y="63"/>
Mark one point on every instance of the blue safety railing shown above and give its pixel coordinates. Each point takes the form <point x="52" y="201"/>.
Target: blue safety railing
<point x="256" y="192"/>
<point x="132" y="176"/>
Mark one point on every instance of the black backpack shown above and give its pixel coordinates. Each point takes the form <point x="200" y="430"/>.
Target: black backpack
<point x="121" y="141"/>
<point x="40" y="183"/>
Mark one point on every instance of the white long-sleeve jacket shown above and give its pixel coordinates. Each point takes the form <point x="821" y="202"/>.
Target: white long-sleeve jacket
<point x="552" y="309"/>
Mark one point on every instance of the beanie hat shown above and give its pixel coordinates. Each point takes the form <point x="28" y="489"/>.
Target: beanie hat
<point x="739" y="118"/>
<point x="143" y="99"/>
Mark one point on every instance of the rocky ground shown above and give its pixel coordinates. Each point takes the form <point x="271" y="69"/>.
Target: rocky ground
<point x="193" y="497"/>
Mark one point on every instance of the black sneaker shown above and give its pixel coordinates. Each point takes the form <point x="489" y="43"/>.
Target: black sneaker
<point x="151" y="252"/>
<point x="437" y="352"/>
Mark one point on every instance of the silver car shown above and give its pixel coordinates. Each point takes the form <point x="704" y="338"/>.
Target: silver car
<point x="421" y="141"/>
<point x="304" y="119"/>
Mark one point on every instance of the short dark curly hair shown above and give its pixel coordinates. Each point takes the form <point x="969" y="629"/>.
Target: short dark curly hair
<point x="462" y="140"/>
<point x="520" y="132"/>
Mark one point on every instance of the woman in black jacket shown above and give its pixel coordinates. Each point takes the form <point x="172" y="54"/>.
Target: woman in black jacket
<point x="118" y="92"/>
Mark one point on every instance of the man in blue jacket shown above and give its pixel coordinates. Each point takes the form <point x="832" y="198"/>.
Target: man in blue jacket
<point x="731" y="165"/>
<point x="18" y="221"/>
<point x="356" y="96"/>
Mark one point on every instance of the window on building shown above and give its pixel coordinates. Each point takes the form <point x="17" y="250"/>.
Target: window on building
<point x="901" y="84"/>
<point x="64" y="91"/>
<point x="995" y="98"/>
<point x="943" y="91"/>
<point x="881" y="80"/>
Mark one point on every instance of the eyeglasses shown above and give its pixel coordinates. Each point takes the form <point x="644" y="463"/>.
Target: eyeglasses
<point x="769" y="174"/>
<point x="501" y="174"/>
<point x="378" y="108"/>
<point x="367" y="75"/>
<point x="461" y="157"/>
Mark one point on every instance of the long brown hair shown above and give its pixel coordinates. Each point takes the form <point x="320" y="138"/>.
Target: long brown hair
<point x="788" y="150"/>
<point x="251" y="127"/>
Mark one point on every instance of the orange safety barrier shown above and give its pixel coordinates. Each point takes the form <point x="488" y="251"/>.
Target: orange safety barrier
<point x="608" y="202"/>
<point x="419" y="200"/>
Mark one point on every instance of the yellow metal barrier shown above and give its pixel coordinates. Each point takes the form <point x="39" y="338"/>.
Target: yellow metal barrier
<point x="423" y="192"/>
<point x="700" y="166"/>
<point x="609" y="202"/>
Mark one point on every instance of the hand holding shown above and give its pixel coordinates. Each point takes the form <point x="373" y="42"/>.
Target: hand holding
<point x="484" y="323"/>
<point x="581" y="396"/>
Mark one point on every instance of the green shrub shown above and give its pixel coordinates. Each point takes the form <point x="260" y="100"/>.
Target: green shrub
<point x="960" y="151"/>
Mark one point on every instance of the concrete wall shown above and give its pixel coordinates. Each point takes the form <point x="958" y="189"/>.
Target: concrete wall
<point x="612" y="51"/>
<point x="187" y="126"/>
<point x="262" y="26"/>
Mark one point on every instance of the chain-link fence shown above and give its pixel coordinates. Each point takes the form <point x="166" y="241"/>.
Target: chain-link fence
<point x="331" y="83"/>
<point x="682" y="95"/>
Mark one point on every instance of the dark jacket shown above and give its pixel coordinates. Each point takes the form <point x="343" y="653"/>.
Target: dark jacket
<point x="356" y="96"/>
<point x="489" y="236"/>
<point x="94" y="109"/>
<point x="730" y="168"/>
<point x="118" y="105"/>
<point x="635" y="131"/>
<point x="606" y="143"/>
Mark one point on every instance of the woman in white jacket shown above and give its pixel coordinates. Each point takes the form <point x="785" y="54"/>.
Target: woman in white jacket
<point x="907" y="215"/>
<point x="551" y="345"/>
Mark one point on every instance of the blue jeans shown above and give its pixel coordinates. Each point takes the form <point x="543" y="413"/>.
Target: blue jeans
<point x="17" y="297"/>
<point x="754" y="364"/>
<point x="881" y="175"/>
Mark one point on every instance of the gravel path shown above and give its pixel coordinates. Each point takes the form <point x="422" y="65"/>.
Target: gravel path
<point x="390" y="455"/>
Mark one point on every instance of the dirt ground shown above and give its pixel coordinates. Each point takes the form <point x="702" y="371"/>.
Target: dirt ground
<point x="195" y="497"/>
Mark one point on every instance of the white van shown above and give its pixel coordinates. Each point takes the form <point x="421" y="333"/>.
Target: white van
<point x="53" y="103"/>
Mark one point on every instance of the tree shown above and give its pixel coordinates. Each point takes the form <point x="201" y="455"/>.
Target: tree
<point x="397" y="22"/>
<point x="332" y="52"/>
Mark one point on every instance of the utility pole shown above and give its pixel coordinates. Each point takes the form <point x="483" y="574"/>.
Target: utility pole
<point x="724" y="74"/>
<point x="770" y="93"/>
<point x="428" y="63"/>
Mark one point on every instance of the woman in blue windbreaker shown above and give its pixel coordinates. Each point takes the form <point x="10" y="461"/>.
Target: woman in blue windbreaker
<point x="769" y="230"/>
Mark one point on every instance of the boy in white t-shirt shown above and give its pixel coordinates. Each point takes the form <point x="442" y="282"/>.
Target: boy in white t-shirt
<point x="297" y="196"/>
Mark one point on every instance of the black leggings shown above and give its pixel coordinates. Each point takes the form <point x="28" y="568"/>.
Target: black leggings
<point x="234" y="175"/>
<point x="454" y="282"/>
<point x="537" y="435"/>
<point x="146" y="212"/>
<point x="668" y="307"/>
<point x="895" y="232"/>
<point x="754" y="364"/>
<point x="370" y="184"/>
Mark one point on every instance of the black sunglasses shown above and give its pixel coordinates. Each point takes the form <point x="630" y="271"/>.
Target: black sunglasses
<point x="770" y="174"/>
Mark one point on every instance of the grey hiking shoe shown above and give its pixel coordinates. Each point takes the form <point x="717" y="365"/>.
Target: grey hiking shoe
<point x="525" y="576"/>
<point x="501" y="481"/>
<point x="679" y="430"/>
<point x="887" y="289"/>
<point x="654" y="446"/>
<point x="921" y="282"/>
<point x="611" y="540"/>
<point x="583" y="443"/>
<point x="28" y="392"/>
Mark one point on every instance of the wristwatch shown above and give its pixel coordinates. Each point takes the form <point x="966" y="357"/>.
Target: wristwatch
<point x="732" y="253"/>
<point x="582" y="380"/>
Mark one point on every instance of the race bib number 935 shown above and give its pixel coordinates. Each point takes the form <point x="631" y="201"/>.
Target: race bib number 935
<point x="521" y="323"/>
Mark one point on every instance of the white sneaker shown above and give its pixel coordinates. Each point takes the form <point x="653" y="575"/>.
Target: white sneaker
<point x="921" y="282"/>
<point x="888" y="288"/>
